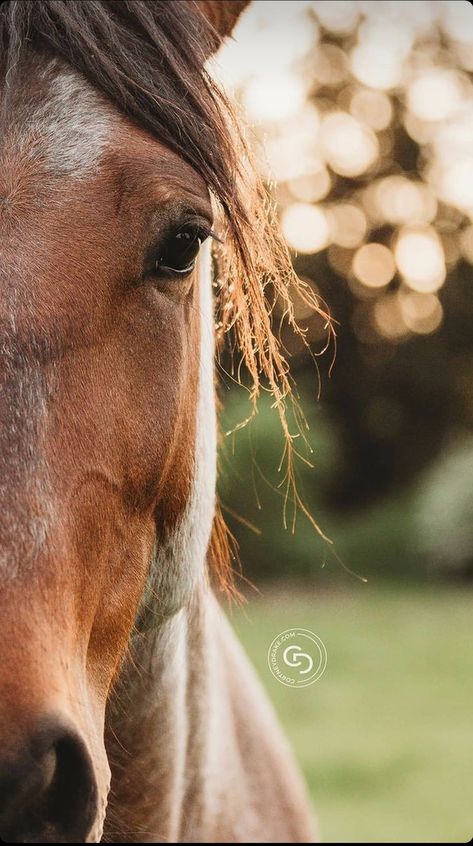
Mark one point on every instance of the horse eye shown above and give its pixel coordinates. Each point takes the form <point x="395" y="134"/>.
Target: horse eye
<point x="180" y="251"/>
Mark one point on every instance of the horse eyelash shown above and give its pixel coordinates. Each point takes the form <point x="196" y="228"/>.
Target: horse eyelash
<point x="215" y="237"/>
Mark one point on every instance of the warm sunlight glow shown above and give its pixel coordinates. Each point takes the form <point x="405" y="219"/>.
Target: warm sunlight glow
<point x="349" y="147"/>
<point x="373" y="265"/>
<point x="274" y="35"/>
<point x="456" y="185"/>
<point x="422" y="313"/>
<point x="274" y="96"/>
<point x="400" y="200"/>
<point x="435" y="94"/>
<point x="420" y="259"/>
<point x="457" y="20"/>
<point x="372" y="107"/>
<point x="367" y="108"/>
<point x="293" y="152"/>
<point x="305" y="227"/>
<point x="313" y="187"/>
<point x="348" y="224"/>
<point x="376" y="66"/>
<point x="389" y="319"/>
<point x="339" y="17"/>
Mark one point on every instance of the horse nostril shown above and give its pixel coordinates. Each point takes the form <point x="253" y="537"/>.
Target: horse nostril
<point x="49" y="795"/>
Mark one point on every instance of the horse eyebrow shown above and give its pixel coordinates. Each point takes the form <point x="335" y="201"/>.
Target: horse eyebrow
<point x="174" y="212"/>
<point x="166" y="188"/>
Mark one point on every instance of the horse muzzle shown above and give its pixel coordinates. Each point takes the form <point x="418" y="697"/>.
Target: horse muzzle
<point x="48" y="790"/>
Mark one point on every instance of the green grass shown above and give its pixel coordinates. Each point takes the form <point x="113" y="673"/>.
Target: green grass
<point x="385" y="738"/>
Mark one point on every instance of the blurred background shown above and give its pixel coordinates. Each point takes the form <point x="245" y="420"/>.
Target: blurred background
<point x="361" y="116"/>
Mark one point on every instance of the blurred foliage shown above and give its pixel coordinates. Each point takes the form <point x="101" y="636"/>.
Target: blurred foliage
<point x="366" y="117"/>
<point x="421" y="531"/>
<point x="444" y="513"/>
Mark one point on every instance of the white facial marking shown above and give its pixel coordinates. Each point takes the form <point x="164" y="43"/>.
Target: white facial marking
<point x="180" y="561"/>
<point x="69" y="128"/>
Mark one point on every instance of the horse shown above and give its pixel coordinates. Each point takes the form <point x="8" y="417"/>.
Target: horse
<point x="128" y="710"/>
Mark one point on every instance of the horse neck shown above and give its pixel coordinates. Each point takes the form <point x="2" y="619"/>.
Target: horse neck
<point x="160" y="707"/>
<point x="159" y="725"/>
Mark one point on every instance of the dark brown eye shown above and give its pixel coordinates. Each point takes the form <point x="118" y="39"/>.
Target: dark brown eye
<point x="180" y="250"/>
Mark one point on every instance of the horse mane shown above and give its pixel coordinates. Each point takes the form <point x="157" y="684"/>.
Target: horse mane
<point x="148" y="57"/>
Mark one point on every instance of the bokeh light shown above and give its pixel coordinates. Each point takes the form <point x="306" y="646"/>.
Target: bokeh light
<point x="306" y="227"/>
<point x="374" y="65"/>
<point x="372" y="107"/>
<point x="275" y="96"/>
<point x="420" y="259"/>
<point x="312" y="187"/>
<point x="389" y="318"/>
<point x="339" y="17"/>
<point x="348" y="224"/>
<point x="456" y="185"/>
<point x="263" y="30"/>
<point x="366" y="108"/>
<point x="349" y="147"/>
<point x="422" y="313"/>
<point x="330" y="65"/>
<point x="399" y="200"/>
<point x="373" y="265"/>
<point x="457" y="20"/>
<point x="435" y="94"/>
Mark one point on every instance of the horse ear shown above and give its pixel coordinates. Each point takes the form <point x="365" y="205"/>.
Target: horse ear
<point x="222" y="15"/>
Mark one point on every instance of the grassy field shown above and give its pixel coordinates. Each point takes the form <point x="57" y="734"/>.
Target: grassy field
<point x="385" y="738"/>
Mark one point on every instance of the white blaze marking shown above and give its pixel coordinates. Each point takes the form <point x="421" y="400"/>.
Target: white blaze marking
<point x="180" y="560"/>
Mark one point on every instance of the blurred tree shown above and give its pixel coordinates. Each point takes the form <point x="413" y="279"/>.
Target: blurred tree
<point x="366" y="116"/>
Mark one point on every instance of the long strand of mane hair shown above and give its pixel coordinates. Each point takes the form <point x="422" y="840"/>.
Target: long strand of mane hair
<point x="132" y="50"/>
